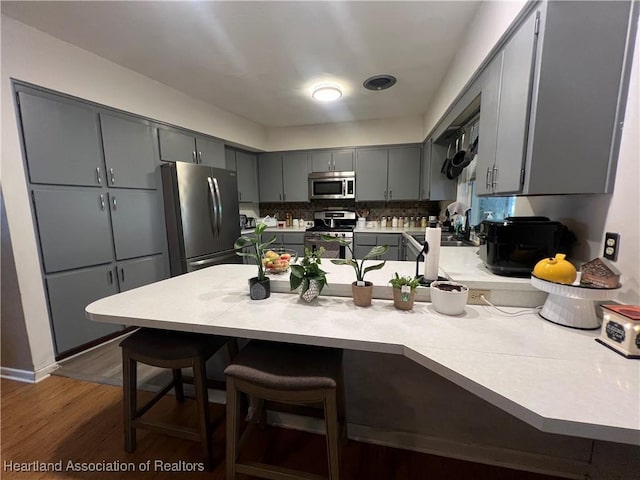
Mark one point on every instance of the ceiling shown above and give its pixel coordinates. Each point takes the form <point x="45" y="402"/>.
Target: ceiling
<point x="259" y="59"/>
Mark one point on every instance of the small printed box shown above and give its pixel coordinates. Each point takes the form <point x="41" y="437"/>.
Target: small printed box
<point x="621" y="329"/>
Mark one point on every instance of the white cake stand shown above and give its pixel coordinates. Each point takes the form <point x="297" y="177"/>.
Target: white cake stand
<point x="572" y="305"/>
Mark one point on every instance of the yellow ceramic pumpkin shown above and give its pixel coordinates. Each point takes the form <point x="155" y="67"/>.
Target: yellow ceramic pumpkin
<point x="556" y="269"/>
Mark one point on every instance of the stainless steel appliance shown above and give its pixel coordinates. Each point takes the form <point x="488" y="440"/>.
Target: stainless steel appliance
<point x="201" y="212"/>
<point x="335" y="223"/>
<point x="332" y="185"/>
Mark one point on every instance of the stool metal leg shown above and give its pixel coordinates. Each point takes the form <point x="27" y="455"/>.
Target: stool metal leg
<point x="129" y="383"/>
<point x="233" y="413"/>
<point x="202" y="401"/>
<point x="333" y="434"/>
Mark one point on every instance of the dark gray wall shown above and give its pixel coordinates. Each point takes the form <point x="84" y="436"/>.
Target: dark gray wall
<point x="14" y="346"/>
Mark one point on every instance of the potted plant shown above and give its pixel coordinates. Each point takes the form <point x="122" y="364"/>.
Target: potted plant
<point x="361" y="290"/>
<point x="307" y="276"/>
<point x="404" y="291"/>
<point x="260" y="286"/>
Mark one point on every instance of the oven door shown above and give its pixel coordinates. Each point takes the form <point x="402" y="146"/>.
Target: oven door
<point x="313" y="241"/>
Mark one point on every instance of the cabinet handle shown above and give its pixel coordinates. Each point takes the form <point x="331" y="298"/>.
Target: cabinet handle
<point x="193" y="154"/>
<point x="113" y="176"/>
<point x="102" y="202"/>
<point x="390" y="195"/>
<point x="98" y="177"/>
<point x="279" y="196"/>
<point x="284" y="197"/>
<point x="487" y="182"/>
<point x="110" y="277"/>
<point x="122" y="274"/>
<point x="199" y="157"/>
<point x="494" y="177"/>
<point x="385" y="194"/>
<point x="329" y="165"/>
<point x="239" y="195"/>
<point x="334" y="164"/>
<point x="113" y="200"/>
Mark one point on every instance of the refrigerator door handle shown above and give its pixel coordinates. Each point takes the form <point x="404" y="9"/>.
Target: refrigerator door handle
<point x="215" y="207"/>
<point x="219" y="204"/>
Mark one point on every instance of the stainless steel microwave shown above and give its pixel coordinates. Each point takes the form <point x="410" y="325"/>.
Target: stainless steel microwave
<point x="323" y="185"/>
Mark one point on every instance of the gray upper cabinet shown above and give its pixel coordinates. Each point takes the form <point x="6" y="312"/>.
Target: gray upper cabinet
<point x="404" y="173"/>
<point x="69" y="293"/>
<point x="246" y="168"/>
<point x="295" y="174"/>
<point x="129" y="153"/>
<point x="553" y="97"/>
<point x="283" y="177"/>
<point x="138" y="224"/>
<point x="332" y="160"/>
<point x="371" y="174"/>
<point x="141" y="271"/>
<point x="388" y="173"/>
<point x="270" y="177"/>
<point x="434" y="185"/>
<point x="73" y="226"/>
<point x="179" y="146"/>
<point x="62" y="141"/>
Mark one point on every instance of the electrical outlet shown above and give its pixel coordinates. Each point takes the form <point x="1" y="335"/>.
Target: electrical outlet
<point x="611" y="246"/>
<point x="474" y="296"/>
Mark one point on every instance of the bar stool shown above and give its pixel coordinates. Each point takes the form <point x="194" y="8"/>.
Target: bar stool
<point x="291" y="374"/>
<point x="174" y="350"/>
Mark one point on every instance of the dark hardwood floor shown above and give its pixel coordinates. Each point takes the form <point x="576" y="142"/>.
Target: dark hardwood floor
<point x="63" y="419"/>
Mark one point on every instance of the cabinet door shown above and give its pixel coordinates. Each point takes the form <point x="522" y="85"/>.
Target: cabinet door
<point x="404" y="173"/>
<point x="230" y="159"/>
<point x="141" y="271"/>
<point x="321" y="161"/>
<point x="73" y="227"/>
<point x="138" y="223"/>
<point x="440" y="187"/>
<point x="61" y="142"/>
<point x="371" y="174"/>
<point x="210" y="152"/>
<point x="247" y="171"/>
<point x="513" y="111"/>
<point x="425" y="171"/>
<point x="270" y="177"/>
<point x="342" y="160"/>
<point x="488" y="131"/>
<point x="69" y="294"/>
<point x="295" y="176"/>
<point x="128" y="153"/>
<point x="176" y="146"/>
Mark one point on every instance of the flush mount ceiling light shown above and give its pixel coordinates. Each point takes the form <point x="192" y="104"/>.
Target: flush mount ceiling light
<point x="326" y="92"/>
<point x="379" y="82"/>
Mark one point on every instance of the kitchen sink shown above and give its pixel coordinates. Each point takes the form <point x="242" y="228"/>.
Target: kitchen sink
<point x="454" y="243"/>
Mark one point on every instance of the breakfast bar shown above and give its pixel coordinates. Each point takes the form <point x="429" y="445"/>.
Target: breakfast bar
<point x="556" y="379"/>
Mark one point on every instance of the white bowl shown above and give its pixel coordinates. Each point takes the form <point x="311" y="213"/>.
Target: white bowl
<point x="449" y="302"/>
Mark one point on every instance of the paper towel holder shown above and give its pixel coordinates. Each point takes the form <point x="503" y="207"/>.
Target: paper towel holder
<point x="423" y="281"/>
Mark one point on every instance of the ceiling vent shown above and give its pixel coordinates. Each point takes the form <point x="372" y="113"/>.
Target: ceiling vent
<point x="379" y="82"/>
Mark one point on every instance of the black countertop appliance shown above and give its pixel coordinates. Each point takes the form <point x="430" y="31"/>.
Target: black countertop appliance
<point x="515" y="245"/>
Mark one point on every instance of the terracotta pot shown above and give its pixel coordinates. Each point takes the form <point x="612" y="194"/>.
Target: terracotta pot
<point x="362" y="295"/>
<point x="402" y="304"/>
<point x="259" y="289"/>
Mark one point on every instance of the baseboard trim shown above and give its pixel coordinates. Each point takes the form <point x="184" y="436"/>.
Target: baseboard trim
<point x="489" y="455"/>
<point x="27" y="376"/>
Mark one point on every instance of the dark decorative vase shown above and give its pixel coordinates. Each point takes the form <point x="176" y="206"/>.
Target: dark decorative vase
<point x="259" y="289"/>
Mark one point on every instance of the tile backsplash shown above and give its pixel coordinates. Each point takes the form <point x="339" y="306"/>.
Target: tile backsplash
<point x="376" y="210"/>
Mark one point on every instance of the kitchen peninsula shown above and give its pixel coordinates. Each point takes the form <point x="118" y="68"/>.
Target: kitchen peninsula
<point x="556" y="379"/>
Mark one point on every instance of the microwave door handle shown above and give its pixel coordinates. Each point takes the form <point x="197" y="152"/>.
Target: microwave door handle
<point x="214" y="225"/>
<point x="344" y="188"/>
<point x="218" y="203"/>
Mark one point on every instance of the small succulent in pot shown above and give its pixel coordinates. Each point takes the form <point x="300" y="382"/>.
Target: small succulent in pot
<point x="404" y="291"/>
<point x="259" y="287"/>
<point x="307" y="276"/>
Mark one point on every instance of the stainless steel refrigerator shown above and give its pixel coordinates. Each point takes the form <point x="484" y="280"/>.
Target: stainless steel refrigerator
<point x="201" y="211"/>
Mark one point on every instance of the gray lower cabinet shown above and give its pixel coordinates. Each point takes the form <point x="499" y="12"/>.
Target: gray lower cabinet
<point x="138" y="224"/>
<point x="332" y="160"/>
<point x="179" y="146"/>
<point x="62" y="141"/>
<point x="295" y="175"/>
<point x="129" y="153"/>
<point x="69" y="293"/>
<point x="404" y="173"/>
<point x="73" y="227"/>
<point x="270" y="177"/>
<point x="141" y="271"/>
<point x="289" y="240"/>
<point x="371" y="174"/>
<point x="364" y="242"/>
<point x="246" y="168"/>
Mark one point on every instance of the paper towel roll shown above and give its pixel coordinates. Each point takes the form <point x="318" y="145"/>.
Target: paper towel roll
<point x="432" y="236"/>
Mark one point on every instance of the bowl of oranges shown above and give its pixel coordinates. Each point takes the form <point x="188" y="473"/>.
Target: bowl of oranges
<point x="277" y="260"/>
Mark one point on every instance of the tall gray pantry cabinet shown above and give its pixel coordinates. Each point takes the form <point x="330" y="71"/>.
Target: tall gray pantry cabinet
<point x="97" y="207"/>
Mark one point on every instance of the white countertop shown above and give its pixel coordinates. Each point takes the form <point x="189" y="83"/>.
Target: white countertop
<point x="555" y="378"/>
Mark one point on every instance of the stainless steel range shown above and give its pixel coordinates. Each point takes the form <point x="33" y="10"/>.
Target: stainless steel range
<point x="336" y="223"/>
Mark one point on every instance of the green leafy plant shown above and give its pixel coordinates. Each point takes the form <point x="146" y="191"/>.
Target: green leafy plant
<point x="398" y="281"/>
<point x="257" y="245"/>
<point x="360" y="269"/>
<point x="308" y="269"/>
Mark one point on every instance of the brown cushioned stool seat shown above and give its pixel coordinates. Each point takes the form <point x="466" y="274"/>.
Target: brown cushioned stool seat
<point x="174" y="350"/>
<point x="285" y="373"/>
